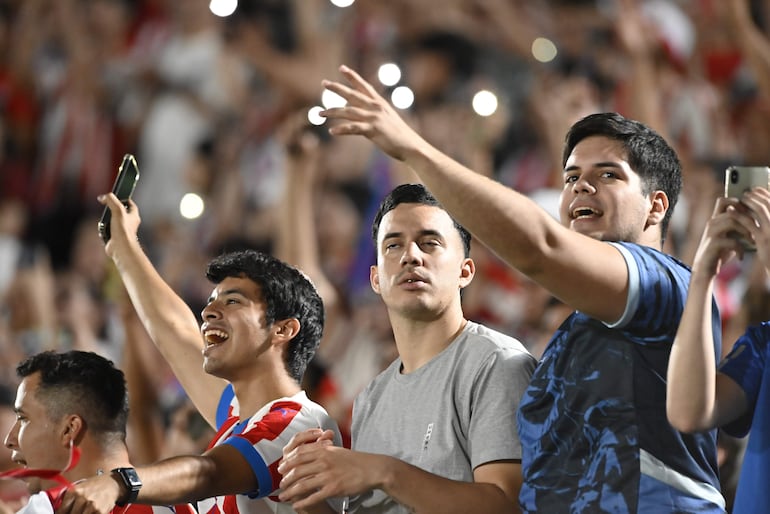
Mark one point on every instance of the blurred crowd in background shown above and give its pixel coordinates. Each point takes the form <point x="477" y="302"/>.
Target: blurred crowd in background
<point x="217" y="107"/>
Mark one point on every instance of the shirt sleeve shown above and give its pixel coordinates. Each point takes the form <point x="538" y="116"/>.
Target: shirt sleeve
<point x="745" y="364"/>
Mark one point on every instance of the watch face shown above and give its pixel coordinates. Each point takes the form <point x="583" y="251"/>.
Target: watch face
<point x="131" y="477"/>
<point x="131" y="481"/>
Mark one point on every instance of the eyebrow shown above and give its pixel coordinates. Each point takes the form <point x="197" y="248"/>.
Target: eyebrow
<point x="603" y="164"/>
<point x="227" y="292"/>
<point x="421" y="233"/>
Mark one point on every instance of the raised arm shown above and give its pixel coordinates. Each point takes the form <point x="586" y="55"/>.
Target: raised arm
<point x="170" y="322"/>
<point x="522" y="233"/>
<point x="698" y="397"/>
<point x="754" y="44"/>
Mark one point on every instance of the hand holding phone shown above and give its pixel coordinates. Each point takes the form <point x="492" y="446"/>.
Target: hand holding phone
<point x="738" y="180"/>
<point x="123" y="188"/>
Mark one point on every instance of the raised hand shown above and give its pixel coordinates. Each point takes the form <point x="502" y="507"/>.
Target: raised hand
<point x="368" y="114"/>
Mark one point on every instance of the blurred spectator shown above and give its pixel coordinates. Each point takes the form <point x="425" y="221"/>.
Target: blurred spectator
<point x="200" y="100"/>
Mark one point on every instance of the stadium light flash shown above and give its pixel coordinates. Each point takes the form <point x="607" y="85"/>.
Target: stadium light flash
<point x="402" y="97"/>
<point x="223" y="8"/>
<point x="191" y="206"/>
<point x="314" y="117"/>
<point x="389" y="74"/>
<point x="330" y="99"/>
<point x="544" y="50"/>
<point x="342" y="3"/>
<point x="484" y="103"/>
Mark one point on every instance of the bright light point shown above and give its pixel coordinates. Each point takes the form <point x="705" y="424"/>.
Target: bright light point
<point x="389" y="74"/>
<point x="402" y="97"/>
<point x="191" y="206"/>
<point x="485" y="103"/>
<point x="330" y="99"/>
<point x="314" y="117"/>
<point x="544" y="50"/>
<point x="342" y="3"/>
<point x="223" y="8"/>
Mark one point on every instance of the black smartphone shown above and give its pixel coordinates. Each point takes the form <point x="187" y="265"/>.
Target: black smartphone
<point x="123" y="188"/>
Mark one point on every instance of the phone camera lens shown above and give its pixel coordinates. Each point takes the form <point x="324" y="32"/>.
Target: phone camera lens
<point x="734" y="176"/>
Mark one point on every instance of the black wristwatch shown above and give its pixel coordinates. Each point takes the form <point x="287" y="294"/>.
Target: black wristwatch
<point x="130" y="480"/>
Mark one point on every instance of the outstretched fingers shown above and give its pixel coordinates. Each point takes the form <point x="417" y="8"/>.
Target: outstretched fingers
<point x="358" y="82"/>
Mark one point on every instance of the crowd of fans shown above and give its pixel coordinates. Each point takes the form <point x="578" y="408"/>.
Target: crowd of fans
<point x="213" y="106"/>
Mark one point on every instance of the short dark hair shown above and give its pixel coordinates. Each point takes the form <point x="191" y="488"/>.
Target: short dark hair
<point x="82" y="383"/>
<point x="648" y="154"/>
<point x="414" y="193"/>
<point x="286" y="292"/>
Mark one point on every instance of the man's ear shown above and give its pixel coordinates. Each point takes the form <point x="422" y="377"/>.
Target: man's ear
<point x="73" y="430"/>
<point x="374" y="279"/>
<point x="658" y="207"/>
<point x="467" y="272"/>
<point x="285" y="330"/>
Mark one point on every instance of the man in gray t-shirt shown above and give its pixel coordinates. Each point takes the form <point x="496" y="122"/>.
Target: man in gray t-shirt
<point x="437" y="429"/>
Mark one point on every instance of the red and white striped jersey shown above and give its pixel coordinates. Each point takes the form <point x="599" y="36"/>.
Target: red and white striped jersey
<point x="260" y="439"/>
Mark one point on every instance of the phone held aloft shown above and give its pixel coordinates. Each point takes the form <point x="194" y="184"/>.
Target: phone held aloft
<point x="738" y="180"/>
<point x="123" y="188"/>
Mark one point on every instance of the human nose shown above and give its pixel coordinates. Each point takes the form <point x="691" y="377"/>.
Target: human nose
<point x="583" y="185"/>
<point x="210" y="311"/>
<point x="412" y="254"/>
<point x="10" y="440"/>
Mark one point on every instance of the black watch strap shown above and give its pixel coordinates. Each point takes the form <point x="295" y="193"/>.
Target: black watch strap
<point x="131" y="484"/>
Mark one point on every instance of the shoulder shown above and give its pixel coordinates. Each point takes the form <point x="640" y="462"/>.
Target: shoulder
<point x="648" y="256"/>
<point x="484" y="340"/>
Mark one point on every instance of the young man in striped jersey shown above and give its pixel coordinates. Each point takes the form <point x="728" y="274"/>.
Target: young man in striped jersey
<point x="260" y="328"/>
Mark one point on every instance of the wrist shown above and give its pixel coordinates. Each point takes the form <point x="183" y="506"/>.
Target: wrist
<point x="128" y="485"/>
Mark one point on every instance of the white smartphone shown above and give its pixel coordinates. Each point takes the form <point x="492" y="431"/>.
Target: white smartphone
<point x="739" y="179"/>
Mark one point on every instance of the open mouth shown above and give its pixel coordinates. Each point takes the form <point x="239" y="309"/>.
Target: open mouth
<point x="214" y="337"/>
<point x="585" y="212"/>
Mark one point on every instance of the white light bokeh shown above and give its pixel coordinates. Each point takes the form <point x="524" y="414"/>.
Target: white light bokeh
<point x="223" y="8"/>
<point x="544" y="50"/>
<point x="191" y="206"/>
<point x="314" y="117"/>
<point x="330" y="99"/>
<point x="342" y="3"/>
<point x="402" y="97"/>
<point x="484" y="103"/>
<point x="389" y="74"/>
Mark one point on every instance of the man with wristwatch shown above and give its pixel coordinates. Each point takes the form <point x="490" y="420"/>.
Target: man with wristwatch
<point x="241" y="366"/>
<point x="71" y="411"/>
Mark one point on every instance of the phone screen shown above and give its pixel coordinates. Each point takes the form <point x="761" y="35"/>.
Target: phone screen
<point x="128" y="175"/>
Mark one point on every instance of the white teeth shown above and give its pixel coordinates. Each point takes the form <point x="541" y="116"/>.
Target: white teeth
<point x="584" y="211"/>
<point x="215" y="336"/>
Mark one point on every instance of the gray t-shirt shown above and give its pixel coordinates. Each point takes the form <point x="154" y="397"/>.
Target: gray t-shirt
<point x="453" y="414"/>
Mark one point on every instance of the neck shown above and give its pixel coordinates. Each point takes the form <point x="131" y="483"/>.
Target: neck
<point x="418" y="341"/>
<point x="95" y="459"/>
<point x="255" y="393"/>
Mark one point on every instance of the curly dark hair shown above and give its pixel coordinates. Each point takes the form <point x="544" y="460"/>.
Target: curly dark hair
<point x="286" y="292"/>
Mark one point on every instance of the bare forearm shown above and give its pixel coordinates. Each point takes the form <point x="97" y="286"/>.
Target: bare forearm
<point x="425" y="493"/>
<point x="181" y="480"/>
<point x="171" y="325"/>
<point x="521" y="231"/>
<point x="161" y="310"/>
<point x="692" y="368"/>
